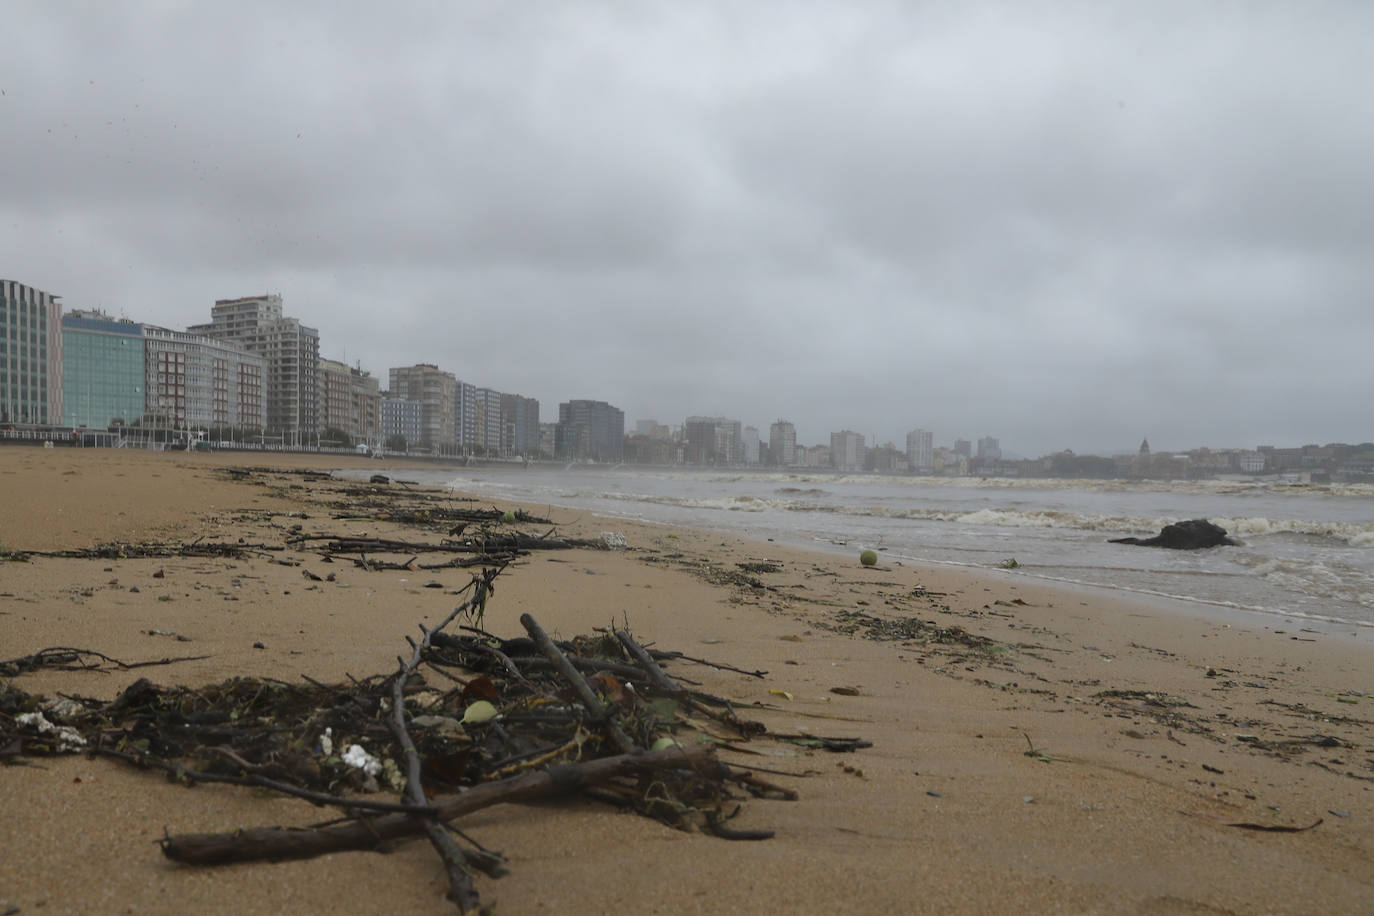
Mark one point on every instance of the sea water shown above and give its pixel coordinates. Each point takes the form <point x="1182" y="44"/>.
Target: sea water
<point x="1305" y="552"/>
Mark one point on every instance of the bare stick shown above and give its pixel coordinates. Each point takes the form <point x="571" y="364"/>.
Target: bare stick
<point x="666" y="684"/>
<point x="578" y="682"/>
<point x="177" y="771"/>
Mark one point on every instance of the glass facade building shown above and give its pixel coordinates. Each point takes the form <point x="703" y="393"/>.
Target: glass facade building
<point x="102" y="370"/>
<point x="30" y="355"/>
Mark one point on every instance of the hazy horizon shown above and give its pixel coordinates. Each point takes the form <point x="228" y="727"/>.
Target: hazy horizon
<point x="1062" y="224"/>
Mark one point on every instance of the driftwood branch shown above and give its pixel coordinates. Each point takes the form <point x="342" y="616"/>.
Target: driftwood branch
<point x="70" y="658"/>
<point x="460" y="889"/>
<point x="277" y="843"/>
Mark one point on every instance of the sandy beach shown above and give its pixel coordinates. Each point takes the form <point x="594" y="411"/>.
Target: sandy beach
<point x="1034" y="749"/>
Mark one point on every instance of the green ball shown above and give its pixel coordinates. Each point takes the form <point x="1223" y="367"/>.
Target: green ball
<point x="868" y="558"/>
<point x="508" y="518"/>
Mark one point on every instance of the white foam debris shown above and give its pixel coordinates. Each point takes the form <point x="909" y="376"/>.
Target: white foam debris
<point x="358" y="758"/>
<point x="614" y="540"/>
<point x="69" y="740"/>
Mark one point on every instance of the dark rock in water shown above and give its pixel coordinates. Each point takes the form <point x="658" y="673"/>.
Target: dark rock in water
<point x="1194" y="534"/>
<point x="379" y="478"/>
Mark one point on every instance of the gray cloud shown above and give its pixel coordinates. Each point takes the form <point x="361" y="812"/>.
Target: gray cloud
<point x="1065" y="224"/>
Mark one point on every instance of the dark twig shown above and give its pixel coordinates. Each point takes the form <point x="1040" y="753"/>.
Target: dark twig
<point x="260" y="782"/>
<point x="662" y="682"/>
<point x="66" y="657"/>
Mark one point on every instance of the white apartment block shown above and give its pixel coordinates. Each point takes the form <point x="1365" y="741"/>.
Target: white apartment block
<point x="292" y="353"/>
<point x="751" y="445"/>
<point x="198" y="381"/>
<point x="847" y="451"/>
<point x="920" y="451"/>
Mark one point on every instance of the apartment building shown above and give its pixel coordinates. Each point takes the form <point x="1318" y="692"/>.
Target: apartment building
<point x="367" y="405"/>
<point x="920" y="451"/>
<point x="751" y="445"/>
<point x="350" y="401"/>
<point x="487" y="421"/>
<point x="436" y="391"/>
<point x="782" y="444"/>
<point x="192" y="380"/>
<point x="520" y="425"/>
<point x="335" y="409"/>
<point x="30" y="355"/>
<point x="400" y="418"/>
<point x="590" y="431"/>
<point x="292" y="354"/>
<point x="713" y="441"/>
<point x="847" y="451"/>
<point x="465" y="415"/>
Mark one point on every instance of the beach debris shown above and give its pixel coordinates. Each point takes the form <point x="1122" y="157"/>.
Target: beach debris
<point x="1039" y="754"/>
<point x="614" y="540"/>
<point x="69" y="659"/>
<point x="955" y="639"/>
<point x="539" y="717"/>
<point x="151" y="550"/>
<point x="1009" y="563"/>
<point x="1276" y="828"/>
<point x="358" y="758"/>
<point x="69" y="740"/>
<point x="480" y="712"/>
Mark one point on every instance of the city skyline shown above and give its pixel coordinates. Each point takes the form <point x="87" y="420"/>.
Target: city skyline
<point x="231" y="322"/>
<point x="1063" y="224"/>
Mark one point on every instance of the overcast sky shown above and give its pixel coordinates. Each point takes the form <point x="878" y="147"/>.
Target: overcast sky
<point x="1067" y="225"/>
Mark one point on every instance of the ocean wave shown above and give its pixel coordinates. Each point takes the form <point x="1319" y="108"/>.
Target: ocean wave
<point x="1352" y="533"/>
<point x="717" y="503"/>
<point x="1091" y="577"/>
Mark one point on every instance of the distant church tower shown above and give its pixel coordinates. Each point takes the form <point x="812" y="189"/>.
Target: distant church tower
<point x="1141" y="465"/>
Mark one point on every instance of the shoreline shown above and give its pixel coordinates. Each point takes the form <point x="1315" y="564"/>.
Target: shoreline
<point x="1204" y="609"/>
<point x="1156" y="731"/>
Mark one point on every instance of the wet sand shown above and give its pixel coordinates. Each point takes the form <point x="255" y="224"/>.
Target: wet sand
<point x="1155" y="729"/>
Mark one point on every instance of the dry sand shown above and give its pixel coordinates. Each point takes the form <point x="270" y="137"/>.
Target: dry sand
<point x="1146" y="763"/>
